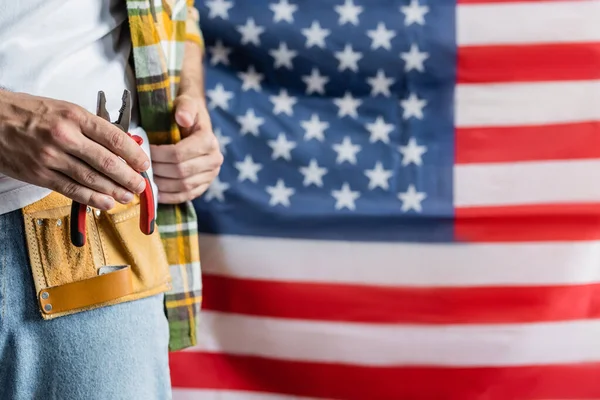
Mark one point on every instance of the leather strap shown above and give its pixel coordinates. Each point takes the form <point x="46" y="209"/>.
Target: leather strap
<point x="88" y="292"/>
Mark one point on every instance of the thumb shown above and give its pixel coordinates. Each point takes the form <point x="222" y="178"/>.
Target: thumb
<point x="186" y="113"/>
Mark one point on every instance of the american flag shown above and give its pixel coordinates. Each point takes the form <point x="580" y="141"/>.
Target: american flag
<point x="410" y="202"/>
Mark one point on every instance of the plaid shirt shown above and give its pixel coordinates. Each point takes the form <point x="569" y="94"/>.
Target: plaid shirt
<point x="159" y="29"/>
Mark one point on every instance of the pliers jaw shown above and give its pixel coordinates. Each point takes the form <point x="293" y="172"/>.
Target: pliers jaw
<point x="147" y="214"/>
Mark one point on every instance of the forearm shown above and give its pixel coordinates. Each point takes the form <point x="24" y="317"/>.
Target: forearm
<point x="192" y="72"/>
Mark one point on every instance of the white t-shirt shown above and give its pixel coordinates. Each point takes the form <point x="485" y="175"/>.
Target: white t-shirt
<point x="67" y="50"/>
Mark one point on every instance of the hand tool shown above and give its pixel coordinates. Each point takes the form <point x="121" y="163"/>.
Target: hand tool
<point x="79" y="211"/>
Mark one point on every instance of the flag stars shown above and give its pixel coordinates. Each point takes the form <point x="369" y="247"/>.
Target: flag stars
<point x="346" y="151"/>
<point x="414" y="59"/>
<point x="313" y="174"/>
<point x="314" y="128"/>
<point x="251" y="79"/>
<point x="348" y="13"/>
<point x="219" y="53"/>
<point x="281" y="147"/>
<point x="414" y="13"/>
<point x="411" y="199"/>
<point x="283" y="11"/>
<point x="250" y="32"/>
<point x="347" y="105"/>
<point x="283" y="103"/>
<point x="216" y="190"/>
<point x="348" y="59"/>
<point x="380" y="84"/>
<point x="315" y="82"/>
<point x="379" y="177"/>
<point x="222" y="140"/>
<point x="345" y="197"/>
<point x="315" y="35"/>
<point x="248" y="169"/>
<point x="283" y="56"/>
<point x="219" y="97"/>
<point x="250" y="123"/>
<point x="379" y="130"/>
<point x="381" y="37"/>
<point x="280" y="194"/>
<point x="413" y="107"/>
<point x="218" y="8"/>
<point x="412" y="153"/>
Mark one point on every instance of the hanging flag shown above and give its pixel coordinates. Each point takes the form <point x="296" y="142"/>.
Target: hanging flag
<point x="409" y="206"/>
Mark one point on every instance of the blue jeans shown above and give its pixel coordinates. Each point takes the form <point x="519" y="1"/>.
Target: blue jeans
<point x="116" y="352"/>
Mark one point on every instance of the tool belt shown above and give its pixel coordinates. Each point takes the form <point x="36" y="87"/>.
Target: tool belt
<point x="117" y="262"/>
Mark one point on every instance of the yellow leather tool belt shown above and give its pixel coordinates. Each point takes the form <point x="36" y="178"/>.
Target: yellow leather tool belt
<point x="118" y="263"/>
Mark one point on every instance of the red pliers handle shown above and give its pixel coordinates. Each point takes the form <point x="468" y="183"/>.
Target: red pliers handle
<point x="147" y="214"/>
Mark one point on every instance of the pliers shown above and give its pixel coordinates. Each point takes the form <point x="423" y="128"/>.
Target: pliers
<point x="147" y="215"/>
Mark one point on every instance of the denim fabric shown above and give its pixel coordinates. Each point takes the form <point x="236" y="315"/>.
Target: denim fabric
<point x="117" y="352"/>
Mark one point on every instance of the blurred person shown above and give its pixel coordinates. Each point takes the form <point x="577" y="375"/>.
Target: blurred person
<point x="72" y="324"/>
<point x="408" y="207"/>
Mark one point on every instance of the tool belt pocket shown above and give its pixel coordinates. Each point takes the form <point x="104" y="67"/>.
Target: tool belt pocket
<point x="117" y="263"/>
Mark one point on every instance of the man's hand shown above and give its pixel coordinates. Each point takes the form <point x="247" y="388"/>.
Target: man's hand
<point x="183" y="171"/>
<point x="62" y="147"/>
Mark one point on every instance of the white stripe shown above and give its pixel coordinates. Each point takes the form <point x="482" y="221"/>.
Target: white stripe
<point x="401" y="264"/>
<point x="206" y="394"/>
<point x="516" y="104"/>
<point x="539" y="22"/>
<point x="386" y="345"/>
<point x="188" y="226"/>
<point x="527" y="183"/>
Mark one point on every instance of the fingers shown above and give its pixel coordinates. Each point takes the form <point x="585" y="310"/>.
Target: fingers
<point x="186" y="114"/>
<point x="181" y="197"/>
<point x="115" y="140"/>
<point x="198" y="144"/>
<point x="66" y="186"/>
<point x="188" y="168"/>
<point x="92" y="179"/>
<point x="167" y="185"/>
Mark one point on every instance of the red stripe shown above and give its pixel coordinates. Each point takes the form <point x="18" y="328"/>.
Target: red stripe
<point x="528" y="63"/>
<point x="552" y="222"/>
<point x="528" y="143"/>
<point x="352" y="382"/>
<point x="378" y="304"/>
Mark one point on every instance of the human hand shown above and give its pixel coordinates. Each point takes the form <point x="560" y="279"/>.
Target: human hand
<point x="63" y="147"/>
<point x="183" y="171"/>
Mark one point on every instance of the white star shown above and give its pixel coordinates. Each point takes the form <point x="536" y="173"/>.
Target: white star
<point x="347" y="105"/>
<point x="413" y="107"/>
<point x="248" y="169"/>
<point x="251" y="79"/>
<point x="348" y="12"/>
<point x="348" y="59"/>
<point x="314" y="128"/>
<point x="250" y="32"/>
<point x="223" y="140"/>
<point x="315" y="35"/>
<point x="219" y="97"/>
<point x="381" y="37"/>
<point x="414" y="59"/>
<point x="412" y="152"/>
<point x="216" y="190"/>
<point x="313" y="174"/>
<point x="283" y="56"/>
<point x="315" y="82"/>
<point x="414" y="13"/>
<point x="283" y="11"/>
<point x="379" y="177"/>
<point x="380" y="84"/>
<point x="345" y="197"/>
<point x="219" y="8"/>
<point x="283" y="103"/>
<point x="220" y="53"/>
<point x="346" y="151"/>
<point x="280" y="194"/>
<point x="250" y="123"/>
<point x="281" y="147"/>
<point x="411" y="199"/>
<point x="379" y="130"/>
